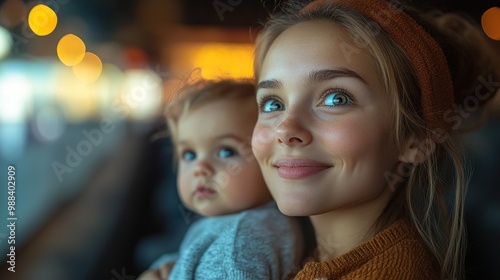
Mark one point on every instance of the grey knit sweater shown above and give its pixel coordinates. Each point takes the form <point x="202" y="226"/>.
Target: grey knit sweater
<point x="260" y="243"/>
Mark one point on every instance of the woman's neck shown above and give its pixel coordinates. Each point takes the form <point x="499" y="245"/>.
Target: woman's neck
<point x="339" y="231"/>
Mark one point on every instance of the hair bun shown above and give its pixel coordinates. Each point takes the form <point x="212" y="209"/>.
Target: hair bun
<point x="473" y="59"/>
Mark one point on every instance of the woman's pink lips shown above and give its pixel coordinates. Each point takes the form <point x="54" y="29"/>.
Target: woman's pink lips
<point x="299" y="168"/>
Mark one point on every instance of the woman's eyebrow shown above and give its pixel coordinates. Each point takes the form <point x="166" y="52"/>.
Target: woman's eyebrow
<point x="315" y="76"/>
<point x="330" y="74"/>
<point x="273" y="83"/>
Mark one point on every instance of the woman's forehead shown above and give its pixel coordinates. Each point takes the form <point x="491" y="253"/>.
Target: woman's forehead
<point x="312" y="46"/>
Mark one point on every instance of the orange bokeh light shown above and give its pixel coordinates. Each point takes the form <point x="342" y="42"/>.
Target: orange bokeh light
<point x="89" y="69"/>
<point x="70" y="50"/>
<point x="491" y="23"/>
<point x="42" y="20"/>
<point x="214" y="59"/>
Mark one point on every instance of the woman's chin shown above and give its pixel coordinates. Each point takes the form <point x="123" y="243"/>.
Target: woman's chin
<point x="292" y="209"/>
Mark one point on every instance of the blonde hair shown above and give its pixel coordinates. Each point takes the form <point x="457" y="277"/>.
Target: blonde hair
<point x="194" y="94"/>
<point x="432" y="192"/>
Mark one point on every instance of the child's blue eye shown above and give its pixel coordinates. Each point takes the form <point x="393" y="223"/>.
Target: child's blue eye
<point x="188" y="155"/>
<point x="271" y="105"/>
<point x="337" y="99"/>
<point x="226" y="152"/>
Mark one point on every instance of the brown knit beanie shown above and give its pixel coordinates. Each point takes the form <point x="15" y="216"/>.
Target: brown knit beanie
<point x="425" y="54"/>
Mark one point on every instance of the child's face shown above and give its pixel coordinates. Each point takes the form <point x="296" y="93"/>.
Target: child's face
<point x="323" y="136"/>
<point x="218" y="173"/>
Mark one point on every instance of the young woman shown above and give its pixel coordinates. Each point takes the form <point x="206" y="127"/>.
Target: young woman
<point x="360" y="107"/>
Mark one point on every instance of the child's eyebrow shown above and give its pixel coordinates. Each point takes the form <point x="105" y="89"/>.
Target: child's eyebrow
<point x="315" y="76"/>
<point x="183" y="143"/>
<point x="229" y="135"/>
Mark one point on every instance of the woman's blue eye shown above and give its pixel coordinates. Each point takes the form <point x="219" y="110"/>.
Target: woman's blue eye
<point x="337" y="99"/>
<point x="272" y="105"/>
<point x="188" y="155"/>
<point x="226" y="152"/>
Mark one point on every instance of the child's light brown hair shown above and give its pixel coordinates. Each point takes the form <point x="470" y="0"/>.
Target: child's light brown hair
<point x="202" y="92"/>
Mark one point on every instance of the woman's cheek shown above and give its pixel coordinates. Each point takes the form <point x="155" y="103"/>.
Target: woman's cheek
<point x="262" y="140"/>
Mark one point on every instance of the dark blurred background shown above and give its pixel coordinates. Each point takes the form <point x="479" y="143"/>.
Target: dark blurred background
<point x="95" y="194"/>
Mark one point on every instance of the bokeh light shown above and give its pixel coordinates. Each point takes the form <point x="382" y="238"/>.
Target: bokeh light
<point x="15" y="97"/>
<point x="89" y="69"/>
<point x="216" y="60"/>
<point x="491" y="23"/>
<point x="79" y="101"/>
<point x="71" y="50"/>
<point x="142" y="94"/>
<point x="42" y="20"/>
<point x="49" y="124"/>
<point x="5" y="42"/>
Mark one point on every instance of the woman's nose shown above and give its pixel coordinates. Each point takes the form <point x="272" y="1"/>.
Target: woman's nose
<point x="293" y="132"/>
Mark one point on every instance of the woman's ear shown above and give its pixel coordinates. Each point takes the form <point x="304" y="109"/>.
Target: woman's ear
<point x="416" y="150"/>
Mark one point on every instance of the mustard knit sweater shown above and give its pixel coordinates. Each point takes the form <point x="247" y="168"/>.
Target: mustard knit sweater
<point x="395" y="253"/>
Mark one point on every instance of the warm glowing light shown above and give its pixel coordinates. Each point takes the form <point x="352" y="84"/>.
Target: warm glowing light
<point x="491" y="23"/>
<point x="80" y="100"/>
<point x="15" y="97"/>
<point x="42" y="20"/>
<point x="89" y="69"/>
<point x="216" y="60"/>
<point x="141" y="94"/>
<point x="70" y="50"/>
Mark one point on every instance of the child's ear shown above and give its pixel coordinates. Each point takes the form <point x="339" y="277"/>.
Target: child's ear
<point x="416" y="150"/>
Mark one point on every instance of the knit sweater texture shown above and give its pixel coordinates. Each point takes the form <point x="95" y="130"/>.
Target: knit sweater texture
<point x="395" y="253"/>
<point x="259" y="243"/>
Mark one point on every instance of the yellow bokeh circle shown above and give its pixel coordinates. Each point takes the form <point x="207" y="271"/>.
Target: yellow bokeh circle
<point x="70" y="50"/>
<point x="491" y="23"/>
<point x="42" y="20"/>
<point x="89" y="69"/>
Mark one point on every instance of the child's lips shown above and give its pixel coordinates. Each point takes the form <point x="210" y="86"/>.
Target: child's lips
<point x="204" y="192"/>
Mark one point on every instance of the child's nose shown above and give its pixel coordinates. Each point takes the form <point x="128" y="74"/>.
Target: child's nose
<point x="203" y="168"/>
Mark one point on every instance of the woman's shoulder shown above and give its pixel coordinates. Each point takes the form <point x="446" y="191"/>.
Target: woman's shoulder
<point x="395" y="253"/>
<point x="399" y="253"/>
<point x="407" y="258"/>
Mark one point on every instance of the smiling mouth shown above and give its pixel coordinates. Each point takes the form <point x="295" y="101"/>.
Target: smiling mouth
<point x="299" y="168"/>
